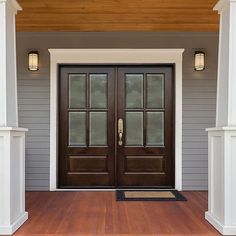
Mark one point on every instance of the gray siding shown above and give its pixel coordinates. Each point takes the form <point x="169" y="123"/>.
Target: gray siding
<point x="199" y="95"/>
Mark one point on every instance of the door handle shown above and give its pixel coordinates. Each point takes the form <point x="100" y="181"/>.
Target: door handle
<point x="120" y="131"/>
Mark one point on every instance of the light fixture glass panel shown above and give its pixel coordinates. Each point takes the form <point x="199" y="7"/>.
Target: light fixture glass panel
<point x="98" y="90"/>
<point x="155" y="129"/>
<point x="199" y="61"/>
<point x="134" y="90"/>
<point x="33" y="61"/>
<point x="155" y="90"/>
<point x="77" y="128"/>
<point x="77" y="90"/>
<point x="134" y="129"/>
<point x="98" y="129"/>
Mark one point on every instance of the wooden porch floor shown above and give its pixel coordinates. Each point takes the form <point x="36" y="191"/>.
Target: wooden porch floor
<point x="98" y="213"/>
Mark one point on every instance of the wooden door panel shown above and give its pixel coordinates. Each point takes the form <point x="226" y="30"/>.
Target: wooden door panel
<point x="146" y="103"/>
<point x="87" y="164"/>
<point x="88" y="180"/>
<point x="87" y="121"/>
<point x="144" y="164"/>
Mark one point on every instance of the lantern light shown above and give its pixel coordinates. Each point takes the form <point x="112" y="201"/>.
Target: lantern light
<point x="33" y="61"/>
<point x="199" y="61"/>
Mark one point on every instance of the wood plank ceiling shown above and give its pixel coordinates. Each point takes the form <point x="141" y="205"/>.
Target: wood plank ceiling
<point x="117" y="15"/>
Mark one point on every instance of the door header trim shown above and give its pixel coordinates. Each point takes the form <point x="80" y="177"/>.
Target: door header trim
<point x="114" y="56"/>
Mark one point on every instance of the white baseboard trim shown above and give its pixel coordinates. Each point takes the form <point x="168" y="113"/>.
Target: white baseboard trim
<point x="223" y="229"/>
<point x="11" y="229"/>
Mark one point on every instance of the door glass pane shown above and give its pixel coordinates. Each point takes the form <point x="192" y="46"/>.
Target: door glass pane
<point x="98" y="129"/>
<point x="77" y="128"/>
<point x="155" y="90"/>
<point x="134" y="90"/>
<point x="77" y="91"/>
<point x="98" y="90"/>
<point x="134" y="128"/>
<point x="155" y="128"/>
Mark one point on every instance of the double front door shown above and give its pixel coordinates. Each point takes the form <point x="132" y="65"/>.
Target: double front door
<point x="116" y="126"/>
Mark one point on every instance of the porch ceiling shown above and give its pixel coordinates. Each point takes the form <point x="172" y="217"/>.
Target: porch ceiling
<point x="117" y="15"/>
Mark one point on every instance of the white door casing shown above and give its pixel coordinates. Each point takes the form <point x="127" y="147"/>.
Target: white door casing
<point x="114" y="56"/>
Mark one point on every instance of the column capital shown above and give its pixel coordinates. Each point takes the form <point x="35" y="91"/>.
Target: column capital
<point x="13" y="3"/>
<point x="222" y="4"/>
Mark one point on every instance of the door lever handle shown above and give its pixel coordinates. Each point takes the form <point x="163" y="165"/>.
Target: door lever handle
<point x="120" y="131"/>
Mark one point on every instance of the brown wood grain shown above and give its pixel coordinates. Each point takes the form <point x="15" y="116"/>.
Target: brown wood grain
<point x="119" y="15"/>
<point x="137" y="171"/>
<point x="88" y="165"/>
<point x="98" y="213"/>
<point x="111" y="165"/>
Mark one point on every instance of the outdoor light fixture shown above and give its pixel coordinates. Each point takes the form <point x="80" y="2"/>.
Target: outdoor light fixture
<point x="33" y="61"/>
<point x="199" y="61"/>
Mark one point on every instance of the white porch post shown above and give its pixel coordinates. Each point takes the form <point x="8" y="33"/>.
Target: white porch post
<point x="12" y="138"/>
<point x="222" y="139"/>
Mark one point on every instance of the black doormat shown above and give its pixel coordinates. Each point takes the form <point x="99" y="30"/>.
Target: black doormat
<point x="149" y="195"/>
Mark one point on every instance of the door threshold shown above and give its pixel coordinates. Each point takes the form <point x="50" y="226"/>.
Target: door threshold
<point x="108" y="189"/>
<point x="86" y="190"/>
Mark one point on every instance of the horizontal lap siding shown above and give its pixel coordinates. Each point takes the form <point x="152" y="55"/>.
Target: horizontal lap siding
<point x="199" y="104"/>
<point x="199" y="95"/>
<point x="33" y="94"/>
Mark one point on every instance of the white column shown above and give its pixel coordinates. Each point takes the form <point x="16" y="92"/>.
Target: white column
<point x="12" y="138"/>
<point x="222" y="139"/>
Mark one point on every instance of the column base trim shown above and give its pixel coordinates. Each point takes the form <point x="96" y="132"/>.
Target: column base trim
<point x="223" y="229"/>
<point x="11" y="229"/>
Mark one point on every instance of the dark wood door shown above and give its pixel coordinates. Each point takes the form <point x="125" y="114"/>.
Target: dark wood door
<point x="145" y="107"/>
<point x="87" y="121"/>
<point x="116" y="126"/>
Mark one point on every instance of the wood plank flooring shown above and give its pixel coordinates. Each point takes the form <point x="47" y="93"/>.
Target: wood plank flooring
<point x="98" y="213"/>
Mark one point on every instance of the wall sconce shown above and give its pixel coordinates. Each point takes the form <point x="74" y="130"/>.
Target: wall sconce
<point x="199" y="61"/>
<point x="33" y="57"/>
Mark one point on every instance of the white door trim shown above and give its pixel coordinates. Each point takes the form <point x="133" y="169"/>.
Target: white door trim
<point x="114" y="56"/>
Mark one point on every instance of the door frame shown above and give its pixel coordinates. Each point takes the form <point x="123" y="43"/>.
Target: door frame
<point x="114" y="57"/>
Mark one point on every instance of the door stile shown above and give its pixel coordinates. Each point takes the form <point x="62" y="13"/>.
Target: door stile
<point x="116" y="126"/>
